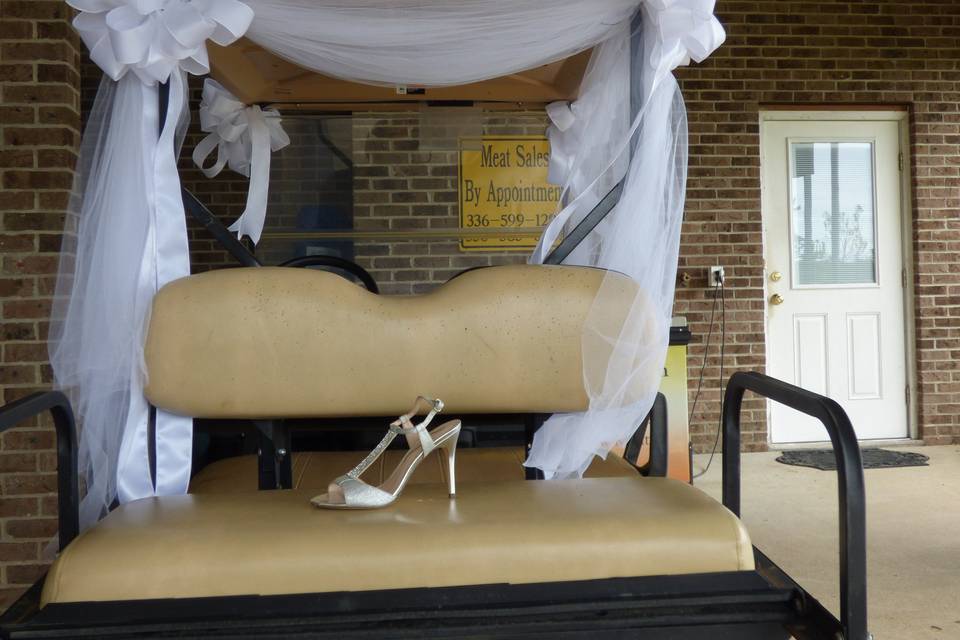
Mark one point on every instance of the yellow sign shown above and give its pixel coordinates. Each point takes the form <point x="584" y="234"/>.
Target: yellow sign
<point x="503" y="188"/>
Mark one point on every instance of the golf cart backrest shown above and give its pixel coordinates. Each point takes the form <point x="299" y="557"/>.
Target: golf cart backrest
<point x="284" y="343"/>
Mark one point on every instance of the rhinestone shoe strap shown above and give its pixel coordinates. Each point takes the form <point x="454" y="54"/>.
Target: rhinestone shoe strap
<point x="404" y="426"/>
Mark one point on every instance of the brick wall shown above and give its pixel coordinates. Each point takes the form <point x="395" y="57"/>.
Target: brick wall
<point x="839" y="53"/>
<point x="404" y="183"/>
<point x="39" y="136"/>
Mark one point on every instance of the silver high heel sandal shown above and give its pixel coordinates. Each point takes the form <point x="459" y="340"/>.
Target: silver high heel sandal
<point x="349" y="492"/>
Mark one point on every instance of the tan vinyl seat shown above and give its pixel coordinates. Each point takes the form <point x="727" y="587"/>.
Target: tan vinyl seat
<point x="314" y="470"/>
<point x="277" y="343"/>
<point x="275" y="542"/>
<point x="281" y="343"/>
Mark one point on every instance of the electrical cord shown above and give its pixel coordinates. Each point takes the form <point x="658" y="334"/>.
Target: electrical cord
<point x="703" y="366"/>
<point x="723" y="342"/>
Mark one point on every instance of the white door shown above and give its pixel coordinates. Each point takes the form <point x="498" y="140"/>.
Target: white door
<point x="834" y="272"/>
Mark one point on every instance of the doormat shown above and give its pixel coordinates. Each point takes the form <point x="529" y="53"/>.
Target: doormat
<point x="872" y="459"/>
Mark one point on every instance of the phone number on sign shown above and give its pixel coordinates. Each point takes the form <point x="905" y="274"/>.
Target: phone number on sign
<point x="507" y="220"/>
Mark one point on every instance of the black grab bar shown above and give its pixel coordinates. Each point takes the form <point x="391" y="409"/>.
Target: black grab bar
<point x="850" y="485"/>
<point x="657" y="463"/>
<point x="68" y="495"/>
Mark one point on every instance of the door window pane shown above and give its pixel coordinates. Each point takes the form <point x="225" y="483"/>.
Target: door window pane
<point x="833" y="213"/>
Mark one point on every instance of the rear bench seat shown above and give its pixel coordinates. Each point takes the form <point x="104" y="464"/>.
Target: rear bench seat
<point x="285" y="343"/>
<point x="276" y="542"/>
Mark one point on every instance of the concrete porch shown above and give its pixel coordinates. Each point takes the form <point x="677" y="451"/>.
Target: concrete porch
<point x="913" y="520"/>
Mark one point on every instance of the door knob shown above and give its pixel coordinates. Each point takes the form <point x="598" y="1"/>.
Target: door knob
<point x="776" y="276"/>
<point x="776" y="299"/>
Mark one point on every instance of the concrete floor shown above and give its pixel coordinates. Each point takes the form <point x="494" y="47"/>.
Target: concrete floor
<point x="913" y="536"/>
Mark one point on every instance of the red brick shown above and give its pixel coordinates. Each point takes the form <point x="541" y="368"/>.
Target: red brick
<point x="39" y="94"/>
<point x="37" y="179"/>
<point x="18" y="331"/>
<point x="36" y="9"/>
<point x="26" y="309"/>
<point x="49" y="243"/>
<point x="10" y="158"/>
<point x="16" y="73"/>
<point x="33" y="528"/>
<point x="19" y="243"/>
<point x="30" y="265"/>
<point x="59" y="116"/>
<point x="25" y="573"/>
<point x="17" y="462"/>
<point x="57" y="30"/>
<point x="56" y="159"/>
<point x="17" y="374"/>
<point x="40" y="136"/>
<point x="33" y="483"/>
<point x="17" y="115"/>
<point x="53" y="201"/>
<point x="17" y="551"/>
<point x="33" y="352"/>
<point x="16" y="287"/>
<point x="15" y="29"/>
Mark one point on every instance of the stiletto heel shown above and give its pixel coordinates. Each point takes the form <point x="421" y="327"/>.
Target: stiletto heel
<point x="451" y="448"/>
<point x="349" y="492"/>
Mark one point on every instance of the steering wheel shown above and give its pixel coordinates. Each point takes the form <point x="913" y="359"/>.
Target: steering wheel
<point x="336" y="262"/>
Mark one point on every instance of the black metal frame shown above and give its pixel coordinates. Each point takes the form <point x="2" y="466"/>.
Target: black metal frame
<point x="274" y="454"/>
<point x="68" y="500"/>
<point x="573" y="239"/>
<point x="733" y="606"/>
<point x="744" y="605"/>
<point x="850" y="485"/>
<point x="656" y="465"/>
<point x="218" y="230"/>
<point x="335" y="262"/>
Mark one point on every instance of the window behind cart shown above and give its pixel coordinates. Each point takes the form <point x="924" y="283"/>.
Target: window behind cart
<point x="412" y="196"/>
<point x="413" y="183"/>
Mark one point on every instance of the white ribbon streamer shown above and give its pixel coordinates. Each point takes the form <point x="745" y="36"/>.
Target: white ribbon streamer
<point x="152" y="38"/>
<point x="166" y="257"/>
<point x="160" y="41"/>
<point x="243" y="137"/>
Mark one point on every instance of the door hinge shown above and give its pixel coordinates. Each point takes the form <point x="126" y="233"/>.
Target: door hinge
<point x="903" y="277"/>
<point x="906" y="394"/>
<point x="900" y="161"/>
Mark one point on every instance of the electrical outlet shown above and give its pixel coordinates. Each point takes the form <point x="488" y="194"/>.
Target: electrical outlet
<point x="715" y="276"/>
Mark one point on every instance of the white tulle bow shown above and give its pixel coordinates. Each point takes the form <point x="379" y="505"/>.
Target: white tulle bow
<point x="687" y="30"/>
<point x="152" y="38"/>
<point x="244" y="137"/>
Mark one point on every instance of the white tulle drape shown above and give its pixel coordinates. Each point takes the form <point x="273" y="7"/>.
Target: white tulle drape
<point x="432" y="43"/>
<point x="596" y="142"/>
<point x="126" y="236"/>
<point x="101" y="303"/>
<point x="624" y="342"/>
<point x="128" y="220"/>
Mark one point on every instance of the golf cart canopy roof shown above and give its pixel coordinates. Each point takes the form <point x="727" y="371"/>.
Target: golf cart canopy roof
<point x="257" y="76"/>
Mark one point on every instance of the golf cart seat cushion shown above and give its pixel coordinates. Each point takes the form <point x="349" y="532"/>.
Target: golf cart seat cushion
<point x="276" y="542"/>
<point x="315" y="469"/>
<point x="280" y="342"/>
